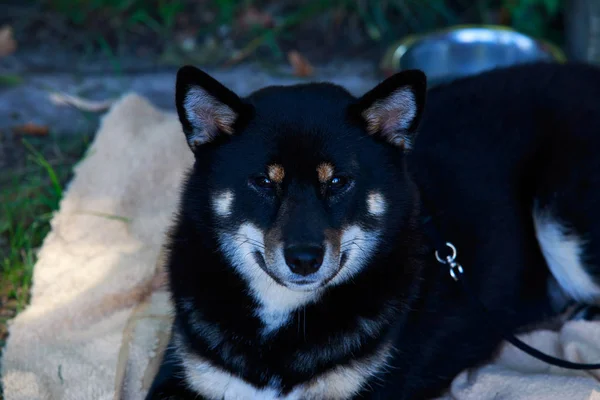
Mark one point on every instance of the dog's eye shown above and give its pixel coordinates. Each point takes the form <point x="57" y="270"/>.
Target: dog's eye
<point x="337" y="183"/>
<point x="262" y="182"/>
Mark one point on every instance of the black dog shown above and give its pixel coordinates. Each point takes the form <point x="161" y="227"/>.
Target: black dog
<point x="298" y="264"/>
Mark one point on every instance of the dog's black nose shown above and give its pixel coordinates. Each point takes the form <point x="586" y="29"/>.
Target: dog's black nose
<point x="304" y="260"/>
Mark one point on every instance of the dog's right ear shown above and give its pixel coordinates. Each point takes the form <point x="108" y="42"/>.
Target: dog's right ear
<point x="205" y="107"/>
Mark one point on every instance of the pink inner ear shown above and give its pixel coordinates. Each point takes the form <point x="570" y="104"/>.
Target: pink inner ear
<point x="217" y="117"/>
<point x="224" y="118"/>
<point x="392" y="116"/>
<point x="208" y="116"/>
<point x="389" y="120"/>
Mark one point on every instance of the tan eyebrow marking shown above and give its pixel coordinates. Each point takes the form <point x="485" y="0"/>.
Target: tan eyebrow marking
<point x="276" y="173"/>
<point x="325" y="172"/>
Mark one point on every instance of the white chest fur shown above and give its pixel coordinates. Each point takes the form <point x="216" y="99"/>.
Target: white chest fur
<point x="342" y="382"/>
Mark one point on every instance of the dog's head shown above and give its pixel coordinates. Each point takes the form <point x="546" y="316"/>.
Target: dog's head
<point x="303" y="184"/>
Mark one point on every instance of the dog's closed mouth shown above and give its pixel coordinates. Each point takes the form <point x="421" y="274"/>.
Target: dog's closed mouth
<point x="305" y="285"/>
<point x="301" y="282"/>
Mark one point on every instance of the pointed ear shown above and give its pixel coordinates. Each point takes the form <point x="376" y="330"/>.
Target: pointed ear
<point x="205" y="107"/>
<point x="393" y="108"/>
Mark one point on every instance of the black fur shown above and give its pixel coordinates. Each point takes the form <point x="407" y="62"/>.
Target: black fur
<point x="487" y="148"/>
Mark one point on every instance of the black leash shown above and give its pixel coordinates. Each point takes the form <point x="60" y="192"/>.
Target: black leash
<point x="446" y="254"/>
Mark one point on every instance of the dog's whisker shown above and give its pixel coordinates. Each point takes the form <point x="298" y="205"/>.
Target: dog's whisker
<point x="304" y="321"/>
<point x="357" y="245"/>
<point x="255" y="243"/>
<point x="247" y="239"/>
<point x="241" y="244"/>
<point x="367" y="240"/>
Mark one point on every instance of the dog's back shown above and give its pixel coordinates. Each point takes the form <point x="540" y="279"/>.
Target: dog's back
<point x="506" y="163"/>
<point x="511" y="156"/>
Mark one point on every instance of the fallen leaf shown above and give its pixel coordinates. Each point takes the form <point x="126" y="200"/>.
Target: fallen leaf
<point x="503" y="16"/>
<point x="6" y="313"/>
<point x="339" y="15"/>
<point x="7" y="42"/>
<point x="32" y="129"/>
<point x="63" y="99"/>
<point x="252" y="17"/>
<point x="300" y="64"/>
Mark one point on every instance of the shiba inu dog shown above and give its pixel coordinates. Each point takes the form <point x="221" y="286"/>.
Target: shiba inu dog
<point x="298" y="265"/>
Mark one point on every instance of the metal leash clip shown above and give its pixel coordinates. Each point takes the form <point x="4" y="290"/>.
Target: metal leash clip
<point x="455" y="268"/>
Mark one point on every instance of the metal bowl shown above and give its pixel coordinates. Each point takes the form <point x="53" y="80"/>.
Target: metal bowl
<point x="466" y="50"/>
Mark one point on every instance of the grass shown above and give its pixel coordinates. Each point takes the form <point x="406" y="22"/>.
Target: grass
<point x="380" y="21"/>
<point x="29" y="195"/>
<point x="157" y="15"/>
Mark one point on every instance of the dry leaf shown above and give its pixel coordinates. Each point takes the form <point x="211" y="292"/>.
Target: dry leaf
<point x="300" y="64"/>
<point x="80" y="103"/>
<point x="7" y="42"/>
<point x="32" y="129"/>
<point x="503" y="16"/>
<point x="251" y="17"/>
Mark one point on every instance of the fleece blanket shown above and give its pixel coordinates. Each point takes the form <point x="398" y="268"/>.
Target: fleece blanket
<point x="99" y="315"/>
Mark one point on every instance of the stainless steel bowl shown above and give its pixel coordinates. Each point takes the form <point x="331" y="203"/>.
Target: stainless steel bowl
<point x="466" y="50"/>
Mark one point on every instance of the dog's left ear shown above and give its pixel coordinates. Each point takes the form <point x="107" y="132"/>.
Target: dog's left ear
<point x="393" y="108"/>
<point x="205" y="107"/>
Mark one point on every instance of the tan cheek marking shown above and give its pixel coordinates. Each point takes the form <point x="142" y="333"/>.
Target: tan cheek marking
<point x="273" y="241"/>
<point x="376" y="204"/>
<point x="334" y="239"/>
<point x="276" y="173"/>
<point x="325" y="172"/>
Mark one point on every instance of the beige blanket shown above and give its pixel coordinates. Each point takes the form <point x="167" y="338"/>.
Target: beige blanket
<point x="98" y="319"/>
